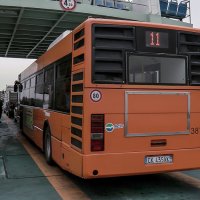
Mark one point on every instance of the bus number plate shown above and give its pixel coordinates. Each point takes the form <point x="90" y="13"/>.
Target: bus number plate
<point x="158" y="159"/>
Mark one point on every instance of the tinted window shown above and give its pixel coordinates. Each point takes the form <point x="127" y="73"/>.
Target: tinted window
<point x="63" y="82"/>
<point x="28" y="83"/>
<point x="24" y="97"/>
<point x="156" y="70"/>
<point x="32" y="81"/>
<point x="39" y="90"/>
<point x="32" y="92"/>
<point x="49" y="88"/>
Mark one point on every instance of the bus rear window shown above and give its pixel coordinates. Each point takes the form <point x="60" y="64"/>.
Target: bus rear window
<point x="156" y="69"/>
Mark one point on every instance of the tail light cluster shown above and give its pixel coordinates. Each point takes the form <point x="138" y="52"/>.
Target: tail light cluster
<point x="97" y="132"/>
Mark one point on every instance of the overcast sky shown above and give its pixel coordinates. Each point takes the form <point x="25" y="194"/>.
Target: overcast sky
<point x="10" y="68"/>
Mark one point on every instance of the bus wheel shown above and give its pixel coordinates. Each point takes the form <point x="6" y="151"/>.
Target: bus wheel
<point x="47" y="146"/>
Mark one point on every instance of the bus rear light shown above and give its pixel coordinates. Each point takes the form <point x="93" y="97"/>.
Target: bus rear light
<point x="97" y="145"/>
<point x="97" y="129"/>
<point x="97" y="118"/>
<point x="97" y="132"/>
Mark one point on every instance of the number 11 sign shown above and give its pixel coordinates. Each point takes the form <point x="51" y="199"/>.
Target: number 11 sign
<point x="156" y="39"/>
<point x="68" y="5"/>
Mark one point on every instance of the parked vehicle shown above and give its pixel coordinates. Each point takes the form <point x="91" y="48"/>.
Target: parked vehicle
<point x="10" y="101"/>
<point x="17" y="113"/>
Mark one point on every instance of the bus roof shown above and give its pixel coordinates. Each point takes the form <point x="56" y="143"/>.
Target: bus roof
<point x="145" y="24"/>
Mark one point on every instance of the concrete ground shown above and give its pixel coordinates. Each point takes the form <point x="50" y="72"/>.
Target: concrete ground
<point x="20" y="178"/>
<point x="24" y="175"/>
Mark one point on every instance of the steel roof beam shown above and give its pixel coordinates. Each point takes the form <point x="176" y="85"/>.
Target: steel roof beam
<point x="63" y="15"/>
<point x="40" y="18"/>
<point x="24" y="42"/>
<point x="27" y="35"/>
<point x="37" y="22"/>
<point x="5" y="34"/>
<point x="28" y="46"/>
<point x="15" y="29"/>
<point x="8" y="20"/>
<point x="6" y="26"/>
<point x="30" y="27"/>
<point x="29" y="31"/>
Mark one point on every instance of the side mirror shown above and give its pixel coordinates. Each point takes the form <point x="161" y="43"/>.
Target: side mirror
<point x="20" y="87"/>
<point x="15" y="88"/>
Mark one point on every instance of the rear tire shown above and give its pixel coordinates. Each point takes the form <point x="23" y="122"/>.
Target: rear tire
<point x="47" y="146"/>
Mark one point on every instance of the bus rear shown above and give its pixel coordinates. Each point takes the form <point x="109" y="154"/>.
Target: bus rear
<point x="140" y="110"/>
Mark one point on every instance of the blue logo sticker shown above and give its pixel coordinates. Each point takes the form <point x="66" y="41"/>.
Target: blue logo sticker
<point x="109" y="127"/>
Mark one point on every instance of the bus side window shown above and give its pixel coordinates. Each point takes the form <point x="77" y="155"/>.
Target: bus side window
<point x="32" y="91"/>
<point x="22" y="94"/>
<point x="49" y="88"/>
<point x="39" y="90"/>
<point x="63" y="83"/>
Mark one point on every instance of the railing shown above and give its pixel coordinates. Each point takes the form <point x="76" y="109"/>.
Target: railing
<point x="165" y="8"/>
<point x="173" y="9"/>
<point x="138" y="6"/>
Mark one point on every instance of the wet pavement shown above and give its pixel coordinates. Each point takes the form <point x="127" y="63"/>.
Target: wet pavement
<point x="20" y="178"/>
<point x="24" y="175"/>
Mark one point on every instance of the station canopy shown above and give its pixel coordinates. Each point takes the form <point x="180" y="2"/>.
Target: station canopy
<point x="28" y="27"/>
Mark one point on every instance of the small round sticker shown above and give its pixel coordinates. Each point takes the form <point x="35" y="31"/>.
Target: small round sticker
<point x="68" y="4"/>
<point x="109" y="127"/>
<point x="95" y="96"/>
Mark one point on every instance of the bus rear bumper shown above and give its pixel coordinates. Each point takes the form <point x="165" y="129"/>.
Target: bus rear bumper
<point x="133" y="163"/>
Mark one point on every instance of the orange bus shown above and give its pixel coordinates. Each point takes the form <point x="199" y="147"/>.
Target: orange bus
<point x="116" y="98"/>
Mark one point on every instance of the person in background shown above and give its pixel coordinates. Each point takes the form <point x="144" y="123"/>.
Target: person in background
<point x="1" y="104"/>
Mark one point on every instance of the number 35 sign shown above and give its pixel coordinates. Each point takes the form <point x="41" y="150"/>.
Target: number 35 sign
<point x="68" y="4"/>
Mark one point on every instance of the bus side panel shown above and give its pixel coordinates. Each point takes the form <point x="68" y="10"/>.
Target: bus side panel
<point x="72" y="160"/>
<point x="56" y="150"/>
<point x="59" y="126"/>
<point x="33" y="124"/>
<point x="38" y="121"/>
<point x="66" y="129"/>
<point x="28" y="132"/>
<point x="38" y="117"/>
<point x="55" y="121"/>
<point x="35" y="135"/>
<point x="38" y="138"/>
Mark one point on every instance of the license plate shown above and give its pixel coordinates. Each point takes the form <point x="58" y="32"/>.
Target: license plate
<point x="158" y="159"/>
